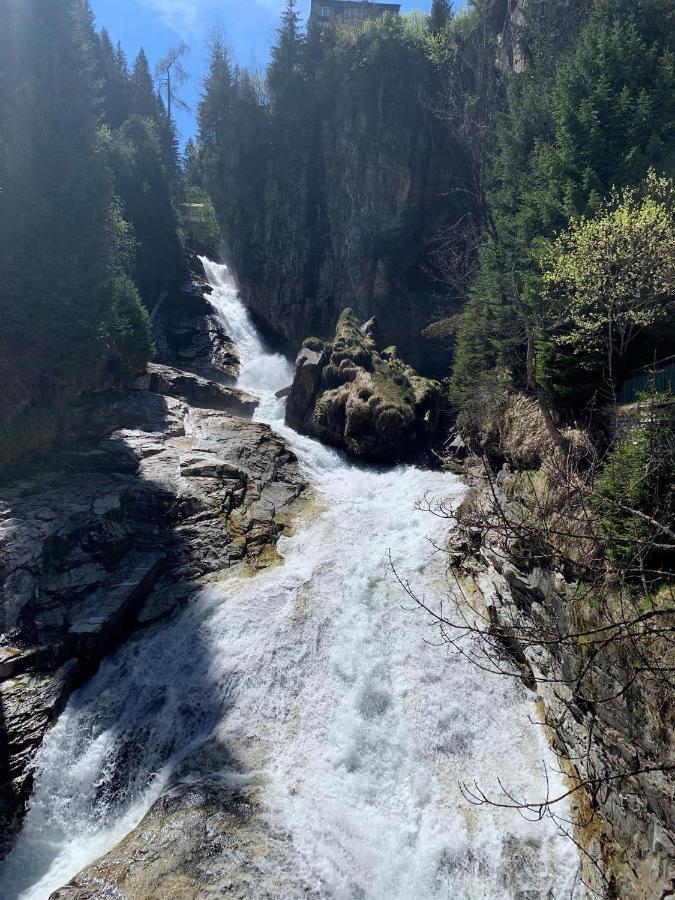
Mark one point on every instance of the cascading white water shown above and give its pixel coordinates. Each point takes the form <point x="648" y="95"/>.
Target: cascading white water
<point x="362" y="728"/>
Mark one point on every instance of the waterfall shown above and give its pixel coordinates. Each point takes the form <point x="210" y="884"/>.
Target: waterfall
<point x="325" y="682"/>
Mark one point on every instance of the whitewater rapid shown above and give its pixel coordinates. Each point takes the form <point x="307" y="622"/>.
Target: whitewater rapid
<point x="326" y="684"/>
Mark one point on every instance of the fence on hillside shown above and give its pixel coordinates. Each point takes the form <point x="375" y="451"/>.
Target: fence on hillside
<point x="660" y="380"/>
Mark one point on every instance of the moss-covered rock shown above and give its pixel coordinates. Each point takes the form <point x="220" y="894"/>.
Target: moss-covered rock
<point x="350" y="395"/>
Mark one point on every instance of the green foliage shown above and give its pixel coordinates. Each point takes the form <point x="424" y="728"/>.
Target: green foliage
<point x="567" y="136"/>
<point x="135" y="158"/>
<point x="609" y="278"/>
<point x="440" y="16"/>
<point x="55" y="256"/>
<point x="71" y="316"/>
<point x="143" y="99"/>
<point x="611" y="108"/>
<point x="285" y="72"/>
<point x="477" y="350"/>
<point x="600" y="120"/>
<point x="202" y="237"/>
<point x="192" y="167"/>
<point x="125" y="331"/>
<point x="313" y="343"/>
<point x="142" y="153"/>
<point x="638" y="476"/>
<point x="113" y="73"/>
<point x="232" y="153"/>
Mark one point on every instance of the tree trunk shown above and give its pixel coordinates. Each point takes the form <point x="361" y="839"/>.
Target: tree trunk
<point x="561" y="443"/>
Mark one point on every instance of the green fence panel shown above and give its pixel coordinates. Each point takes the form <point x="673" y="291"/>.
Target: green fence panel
<point x="662" y="381"/>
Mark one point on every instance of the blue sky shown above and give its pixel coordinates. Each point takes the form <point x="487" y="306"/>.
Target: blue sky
<point x="248" y="26"/>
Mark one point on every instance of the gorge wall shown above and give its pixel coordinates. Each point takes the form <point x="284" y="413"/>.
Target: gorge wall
<point x="602" y="678"/>
<point x="336" y="193"/>
<point x="381" y="192"/>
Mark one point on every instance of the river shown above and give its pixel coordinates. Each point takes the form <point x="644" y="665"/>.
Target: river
<point x="362" y="726"/>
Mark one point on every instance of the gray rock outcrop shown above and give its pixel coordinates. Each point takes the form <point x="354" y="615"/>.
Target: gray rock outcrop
<point x="613" y="724"/>
<point x="203" y="837"/>
<point x="189" y="335"/>
<point x="367" y="402"/>
<point x="116" y="537"/>
<point x="197" y="391"/>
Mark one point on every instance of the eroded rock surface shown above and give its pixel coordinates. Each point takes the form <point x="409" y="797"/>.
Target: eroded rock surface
<point x="116" y="536"/>
<point x="368" y="402"/>
<point x="205" y="837"/>
<point x="196" y="391"/>
<point x="189" y="334"/>
<point x="625" y="826"/>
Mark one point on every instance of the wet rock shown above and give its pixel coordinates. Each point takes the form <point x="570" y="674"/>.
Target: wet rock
<point x="369" y="403"/>
<point x="626" y="831"/>
<point x="205" y="837"/>
<point x="15" y="660"/>
<point x="283" y="393"/>
<point x="29" y="704"/>
<point x="99" y="622"/>
<point x="189" y="335"/>
<point x="91" y="550"/>
<point x="197" y="391"/>
<point x="303" y="392"/>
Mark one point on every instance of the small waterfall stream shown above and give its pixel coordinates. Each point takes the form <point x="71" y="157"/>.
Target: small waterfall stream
<point x="365" y="727"/>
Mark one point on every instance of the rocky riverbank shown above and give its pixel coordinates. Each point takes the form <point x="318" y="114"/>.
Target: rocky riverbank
<point x="102" y="538"/>
<point x="530" y="614"/>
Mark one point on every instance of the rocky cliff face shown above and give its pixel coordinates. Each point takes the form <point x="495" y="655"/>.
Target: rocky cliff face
<point x="188" y="334"/>
<point x="624" y="723"/>
<point x="626" y="828"/>
<point x="100" y="539"/>
<point x="369" y="403"/>
<point x="353" y="225"/>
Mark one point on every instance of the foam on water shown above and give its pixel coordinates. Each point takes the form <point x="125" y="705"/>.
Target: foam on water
<point x="362" y="728"/>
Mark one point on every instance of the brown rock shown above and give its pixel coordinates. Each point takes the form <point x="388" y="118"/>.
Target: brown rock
<point x="351" y="396"/>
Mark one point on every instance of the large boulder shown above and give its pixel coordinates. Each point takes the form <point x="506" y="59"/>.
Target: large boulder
<point x="351" y="395"/>
<point x="198" y="392"/>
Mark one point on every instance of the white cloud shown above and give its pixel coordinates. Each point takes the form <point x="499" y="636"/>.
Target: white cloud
<point x="189" y="15"/>
<point x="181" y="15"/>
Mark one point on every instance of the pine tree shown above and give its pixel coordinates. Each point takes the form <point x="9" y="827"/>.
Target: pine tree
<point x="215" y="107"/>
<point x="114" y="79"/>
<point x="612" y="108"/>
<point x="567" y="137"/>
<point x="57" y="244"/>
<point x="142" y="89"/>
<point x="170" y="145"/>
<point x="142" y="183"/>
<point x="192" y="166"/>
<point x="218" y="135"/>
<point x="440" y="16"/>
<point x="284" y="74"/>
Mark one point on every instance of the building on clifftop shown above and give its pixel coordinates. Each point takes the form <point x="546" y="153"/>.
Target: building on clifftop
<point x="350" y="10"/>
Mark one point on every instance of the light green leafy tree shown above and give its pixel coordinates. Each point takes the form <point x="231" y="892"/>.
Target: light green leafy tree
<point x="609" y="278"/>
